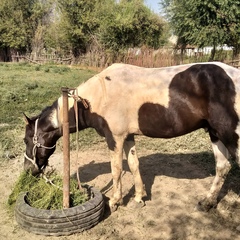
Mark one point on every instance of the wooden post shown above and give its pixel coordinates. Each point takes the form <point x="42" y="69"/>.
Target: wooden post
<point x="66" y="150"/>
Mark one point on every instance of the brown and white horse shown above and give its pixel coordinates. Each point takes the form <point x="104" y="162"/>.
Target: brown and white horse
<point x="126" y="100"/>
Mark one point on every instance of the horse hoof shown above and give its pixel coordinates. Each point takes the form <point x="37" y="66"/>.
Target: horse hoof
<point x="205" y="206"/>
<point x="136" y="205"/>
<point x="113" y="208"/>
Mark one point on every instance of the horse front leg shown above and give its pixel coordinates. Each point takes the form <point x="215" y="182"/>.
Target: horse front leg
<point x="131" y="154"/>
<point x="116" y="155"/>
<point x="222" y="168"/>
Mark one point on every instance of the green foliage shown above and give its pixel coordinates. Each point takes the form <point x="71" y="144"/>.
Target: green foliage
<point x="205" y="22"/>
<point x="23" y="184"/>
<point x="71" y="26"/>
<point x="13" y="30"/>
<point x="129" y="24"/>
<point x="44" y="195"/>
<point x="110" y="25"/>
<point x="77" y="23"/>
<point x="19" y="19"/>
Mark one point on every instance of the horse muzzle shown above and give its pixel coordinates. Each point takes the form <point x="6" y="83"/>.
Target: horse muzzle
<point x="31" y="166"/>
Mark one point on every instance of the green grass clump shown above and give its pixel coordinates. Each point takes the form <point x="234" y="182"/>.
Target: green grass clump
<point x="43" y="195"/>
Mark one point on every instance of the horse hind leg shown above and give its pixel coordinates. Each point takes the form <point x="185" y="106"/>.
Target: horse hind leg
<point x="131" y="154"/>
<point x="222" y="168"/>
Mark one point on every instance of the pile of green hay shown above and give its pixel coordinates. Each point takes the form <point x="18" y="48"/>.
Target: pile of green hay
<point x="43" y="195"/>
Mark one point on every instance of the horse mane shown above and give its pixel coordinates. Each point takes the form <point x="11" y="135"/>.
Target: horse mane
<point x="46" y="112"/>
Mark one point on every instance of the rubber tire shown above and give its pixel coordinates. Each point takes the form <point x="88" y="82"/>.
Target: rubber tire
<point x="60" y="222"/>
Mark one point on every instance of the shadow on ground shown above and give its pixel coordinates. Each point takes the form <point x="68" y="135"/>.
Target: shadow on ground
<point x="180" y="166"/>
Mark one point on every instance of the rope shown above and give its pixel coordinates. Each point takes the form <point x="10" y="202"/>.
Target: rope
<point x="77" y="136"/>
<point x="76" y="97"/>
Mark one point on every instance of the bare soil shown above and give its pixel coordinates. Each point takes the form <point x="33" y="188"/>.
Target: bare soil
<point x="174" y="184"/>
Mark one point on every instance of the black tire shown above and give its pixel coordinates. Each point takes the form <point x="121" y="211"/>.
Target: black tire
<point x="60" y="222"/>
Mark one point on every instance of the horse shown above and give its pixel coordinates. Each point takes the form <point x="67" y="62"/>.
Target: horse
<point x="125" y="100"/>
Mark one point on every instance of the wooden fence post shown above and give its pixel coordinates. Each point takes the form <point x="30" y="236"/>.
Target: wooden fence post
<point x="66" y="150"/>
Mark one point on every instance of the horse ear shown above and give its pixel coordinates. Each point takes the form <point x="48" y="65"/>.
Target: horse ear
<point x="27" y="119"/>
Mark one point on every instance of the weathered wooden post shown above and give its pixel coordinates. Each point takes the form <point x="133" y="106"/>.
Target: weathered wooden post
<point x="66" y="150"/>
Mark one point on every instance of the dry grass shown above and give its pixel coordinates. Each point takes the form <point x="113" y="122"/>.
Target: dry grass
<point x="44" y="195"/>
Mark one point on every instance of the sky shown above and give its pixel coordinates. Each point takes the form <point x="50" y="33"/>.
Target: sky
<point x="153" y="5"/>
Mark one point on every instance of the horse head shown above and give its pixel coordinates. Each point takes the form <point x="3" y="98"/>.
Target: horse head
<point x="40" y="139"/>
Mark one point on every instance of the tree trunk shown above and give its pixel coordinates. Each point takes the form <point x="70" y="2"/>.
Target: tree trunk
<point x="5" y="54"/>
<point x="213" y="52"/>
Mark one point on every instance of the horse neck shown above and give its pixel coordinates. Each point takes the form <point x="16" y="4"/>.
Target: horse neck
<point x="82" y="120"/>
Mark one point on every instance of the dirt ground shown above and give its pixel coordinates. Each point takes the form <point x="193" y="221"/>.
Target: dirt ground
<point x="174" y="185"/>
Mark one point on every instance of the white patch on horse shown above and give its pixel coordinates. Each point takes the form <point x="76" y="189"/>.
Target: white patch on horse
<point x="222" y="168"/>
<point x="54" y="118"/>
<point x="238" y="149"/>
<point x="152" y="86"/>
<point x="59" y="113"/>
<point x="94" y="92"/>
<point x="132" y="158"/>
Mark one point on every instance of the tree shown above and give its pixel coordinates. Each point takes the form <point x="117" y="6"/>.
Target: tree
<point x="77" y="23"/>
<point x="111" y="25"/>
<point x="40" y="21"/>
<point x="204" y="22"/>
<point x="130" y="24"/>
<point x="73" y="25"/>
<point x="19" y="20"/>
<point x="13" y="30"/>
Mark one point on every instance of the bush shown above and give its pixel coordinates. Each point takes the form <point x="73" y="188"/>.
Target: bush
<point x="37" y="68"/>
